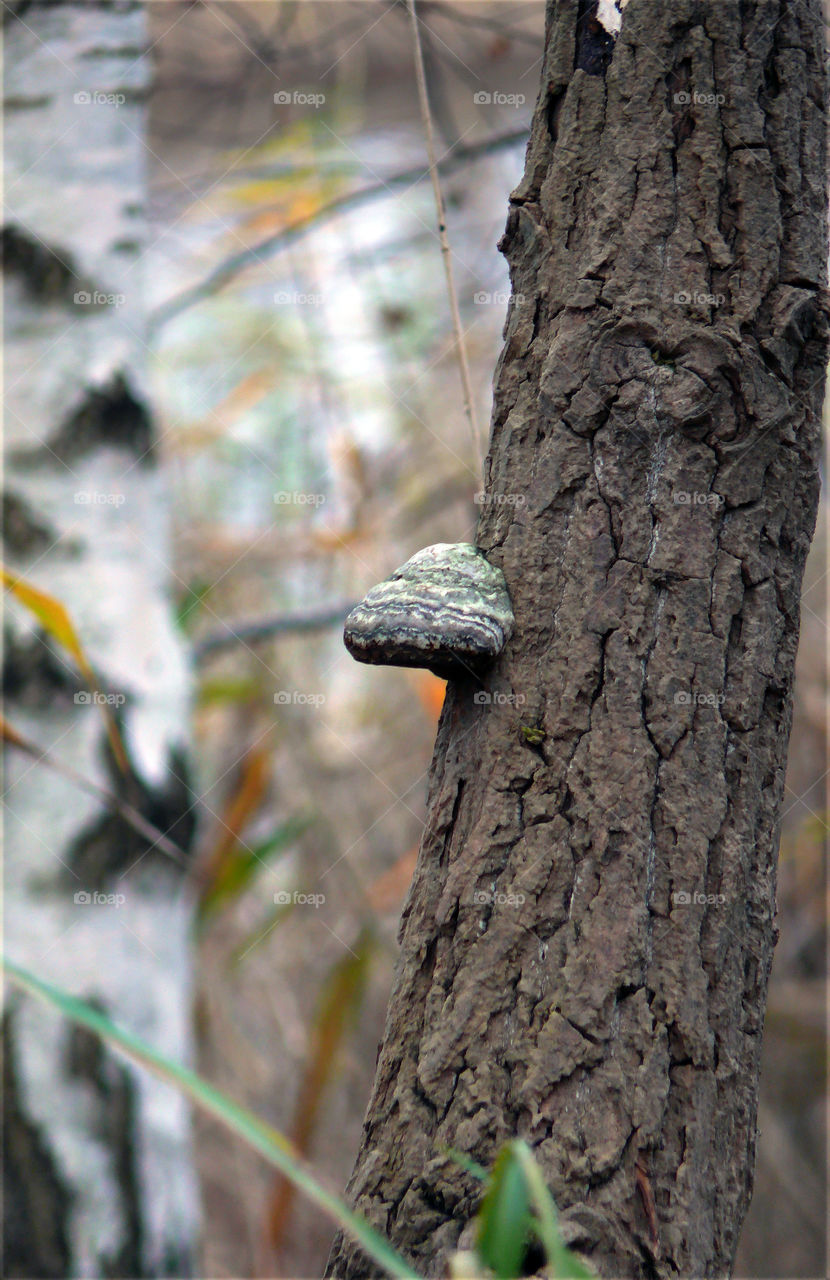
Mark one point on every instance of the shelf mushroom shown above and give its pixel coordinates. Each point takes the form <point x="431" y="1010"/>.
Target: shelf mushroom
<point x="446" y="609"/>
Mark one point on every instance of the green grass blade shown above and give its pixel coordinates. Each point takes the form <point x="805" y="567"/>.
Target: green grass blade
<point x="504" y="1217"/>
<point x="563" y="1264"/>
<point x="240" y="866"/>
<point x="268" y="1141"/>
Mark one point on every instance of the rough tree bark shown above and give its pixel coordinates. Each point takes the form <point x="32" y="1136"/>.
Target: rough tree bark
<point x="589" y="933"/>
<point x="97" y="1171"/>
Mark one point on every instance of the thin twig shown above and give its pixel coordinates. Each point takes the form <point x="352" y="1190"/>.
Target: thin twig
<point x="426" y="116"/>
<point x="150" y="832"/>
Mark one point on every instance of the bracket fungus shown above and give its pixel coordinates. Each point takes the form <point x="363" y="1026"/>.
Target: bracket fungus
<point x="446" y="609"/>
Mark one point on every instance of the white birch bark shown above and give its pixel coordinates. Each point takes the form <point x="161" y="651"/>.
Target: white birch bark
<point x="98" y="1174"/>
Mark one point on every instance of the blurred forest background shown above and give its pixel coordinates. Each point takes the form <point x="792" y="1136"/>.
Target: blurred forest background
<point x="313" y="436"/>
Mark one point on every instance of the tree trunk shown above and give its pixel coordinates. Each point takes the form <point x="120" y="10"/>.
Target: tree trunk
<point x="97" y="1174"/>
<point x="589" y="933"/>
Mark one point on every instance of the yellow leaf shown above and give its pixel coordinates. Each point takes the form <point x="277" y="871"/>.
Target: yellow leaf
<point x="51" y="614"/>
<point x="54" y="619"/>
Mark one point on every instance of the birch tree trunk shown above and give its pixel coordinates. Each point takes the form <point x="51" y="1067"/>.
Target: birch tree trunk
<point x="587" y="941"/>
<point x="98" y="1179"/>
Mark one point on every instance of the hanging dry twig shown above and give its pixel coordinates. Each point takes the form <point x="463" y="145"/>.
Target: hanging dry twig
<point x="461" y="350"/>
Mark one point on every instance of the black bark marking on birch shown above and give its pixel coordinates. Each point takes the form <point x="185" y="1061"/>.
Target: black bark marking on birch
<point x="14" y="9"/>
<point x="655" y="639"/>
<point x="34" y="675"/>
<point x="112" y="417"/>
<point x="108" y="847"/>
<point x="33" y="1192"/>
<point x="113" y="1088"/>
<point x="45" y="274"/>
<point x="25" y="532"/>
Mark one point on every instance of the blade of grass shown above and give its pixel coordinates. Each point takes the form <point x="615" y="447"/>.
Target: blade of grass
<point x="258" y="935"/>
<point x="504" y="1217"/>
<point x="248" y="794"/>
<point x="565" y="1264"/>
<point x="241" y="865"/>
<point x="273" y="1145"/>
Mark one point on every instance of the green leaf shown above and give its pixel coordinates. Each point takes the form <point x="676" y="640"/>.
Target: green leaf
<point x="504" y="1218"/>
<point x="532" y="734"/>
<point x="516" y="1208"/>
<point x="562" y="1263"/>
<point x="273" y="1145"/>
<point x="241" y="866"/>
<point x="190" y="601"/>
<point x="222" y="690"/>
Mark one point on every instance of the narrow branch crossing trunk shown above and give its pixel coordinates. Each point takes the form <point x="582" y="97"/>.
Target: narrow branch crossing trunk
<point x="589" y="933"/>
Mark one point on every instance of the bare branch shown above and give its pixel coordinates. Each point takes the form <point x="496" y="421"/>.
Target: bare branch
<point x="231" y="266"/>
<point x="235" y="633"/>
